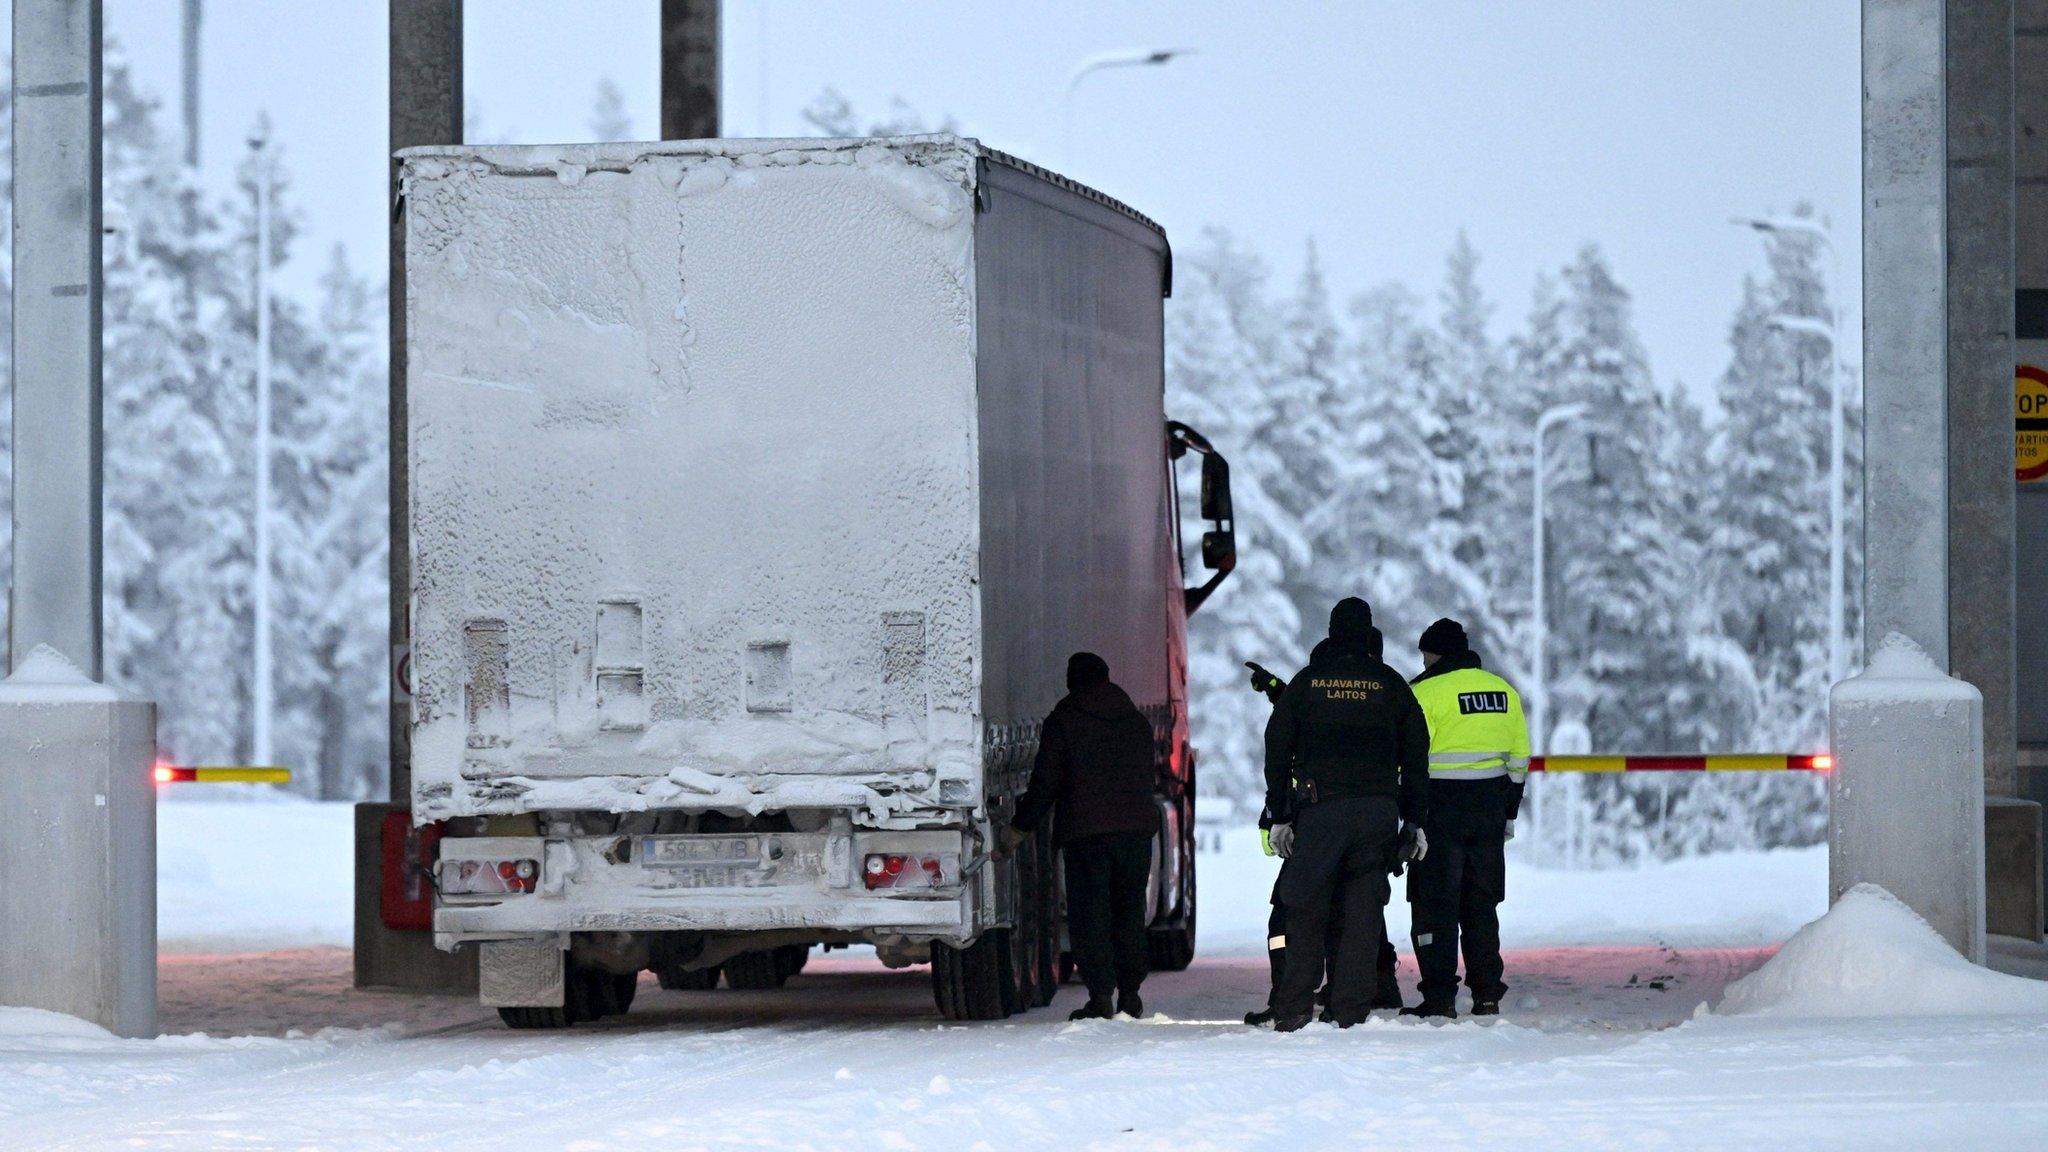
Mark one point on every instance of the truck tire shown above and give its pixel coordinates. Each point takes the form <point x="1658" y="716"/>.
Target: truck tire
<point x="754" y="971"/>
<point x="791" y="958"/>
<point x="616" y="990"/>
<point x="1172" y="947"/>
<point x="677" y="980"/>
<point x="977" y="982"/>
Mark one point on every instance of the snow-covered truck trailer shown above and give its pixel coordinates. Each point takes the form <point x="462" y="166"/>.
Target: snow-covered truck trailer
<point x="759" y="492"/>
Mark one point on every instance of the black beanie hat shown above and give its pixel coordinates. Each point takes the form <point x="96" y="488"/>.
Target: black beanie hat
<point x="1351" y="619"/>
<point x="1085" y="669"/>
<point x="1445" y="638"/>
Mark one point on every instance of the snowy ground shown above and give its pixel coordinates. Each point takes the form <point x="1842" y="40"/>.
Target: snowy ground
<point x="851" y="1056"/>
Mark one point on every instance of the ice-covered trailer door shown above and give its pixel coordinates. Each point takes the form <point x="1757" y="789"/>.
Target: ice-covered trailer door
<point x="693" y="469"/>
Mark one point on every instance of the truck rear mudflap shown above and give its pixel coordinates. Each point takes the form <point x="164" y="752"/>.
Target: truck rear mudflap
<point x="913" y="883"/>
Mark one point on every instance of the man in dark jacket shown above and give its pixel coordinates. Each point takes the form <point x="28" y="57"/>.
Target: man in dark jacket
<point x="1347" y="757"/>
<point x="1389" y="993"/>
<point x="1096" y="773"/>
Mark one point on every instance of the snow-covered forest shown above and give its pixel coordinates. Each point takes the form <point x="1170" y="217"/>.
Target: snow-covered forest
<point x="1382" y="446"/>
<point x="180" y="420"/>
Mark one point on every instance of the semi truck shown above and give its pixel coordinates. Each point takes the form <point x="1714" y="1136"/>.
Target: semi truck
<point x="759" y="491"/>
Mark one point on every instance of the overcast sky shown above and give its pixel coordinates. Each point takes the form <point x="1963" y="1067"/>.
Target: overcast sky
<point x="1378" y="128"/>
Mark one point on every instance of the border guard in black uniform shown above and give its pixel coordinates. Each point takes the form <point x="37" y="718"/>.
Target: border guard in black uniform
<point x="1346" y="778"/>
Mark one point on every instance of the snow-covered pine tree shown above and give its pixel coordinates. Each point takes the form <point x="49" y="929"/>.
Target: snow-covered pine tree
<point x="610" y="119"/>
<point x="1221" y="340"/>
<point x="177" y="526"/>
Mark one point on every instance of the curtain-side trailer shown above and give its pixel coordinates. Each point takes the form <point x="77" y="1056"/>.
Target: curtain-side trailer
<point x="759" y="492"/>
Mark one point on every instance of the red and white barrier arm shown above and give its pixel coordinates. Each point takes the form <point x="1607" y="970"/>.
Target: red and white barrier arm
<point x="1738" y="762"/>
<point x="232" y="774"/>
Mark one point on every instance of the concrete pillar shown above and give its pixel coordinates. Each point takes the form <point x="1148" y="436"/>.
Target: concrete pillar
<point x="1912" y="756"/>
<point x="1906" y="799"/>
<point x="426" y="108"/>
<point x="689" y="69"/>
<point x="1980" y="367"/>
<point x="1905" y="325"/>
<point x="2030" y="236"/>
<point x="56" y="593"/>
<point x="78" y="864"/>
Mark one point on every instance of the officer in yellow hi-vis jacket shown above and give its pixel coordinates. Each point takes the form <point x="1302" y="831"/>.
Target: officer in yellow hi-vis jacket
<point x="1478" y="763"/>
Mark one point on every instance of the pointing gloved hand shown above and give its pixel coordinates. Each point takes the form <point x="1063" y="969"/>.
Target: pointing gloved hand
<point x="1509" y="833"/>
<point x="1281" y="836"/>
<point x="1414" y="845"/>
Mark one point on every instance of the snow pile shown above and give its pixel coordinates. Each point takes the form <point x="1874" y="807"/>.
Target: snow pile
<point x="47" y="677"/>
<point x="1900" y="670"/>
<point x="1872" y="956"/>
<point x="36" y="1024"/>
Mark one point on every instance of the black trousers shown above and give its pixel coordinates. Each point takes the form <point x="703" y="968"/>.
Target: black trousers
<point x="1106" y="918"/>
<point x="1276" y="951"/>
<point x="1337" y="871"/>
<point x="1456" y="890"/>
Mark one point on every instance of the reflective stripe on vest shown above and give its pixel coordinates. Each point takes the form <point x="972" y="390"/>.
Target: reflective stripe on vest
<point x="1467" y="765"/>
<point x="1476" y="765"/>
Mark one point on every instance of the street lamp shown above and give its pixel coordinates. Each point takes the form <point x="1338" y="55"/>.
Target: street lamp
<point x="1831" y="331"/>
<point x="1539" y="696"/>
<point x="260" y="153"/>
<point x="1121" y="58"/>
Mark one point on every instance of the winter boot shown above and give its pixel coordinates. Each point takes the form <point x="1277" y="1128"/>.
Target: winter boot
<point x="1388" y="998"/>
<point x="1290" y="1023"/>
<point x="1262" y="1016"/>
<point x="1097" y="1008"/>
<point x="1486" y="1007"/>
<point x="1428" y="1010"/>
<point x="1128" y="1004"/>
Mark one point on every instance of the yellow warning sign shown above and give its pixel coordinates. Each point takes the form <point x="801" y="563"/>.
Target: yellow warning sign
<point x="2030" y="423"/>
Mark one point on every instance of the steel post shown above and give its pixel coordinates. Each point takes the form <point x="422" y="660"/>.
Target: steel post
<point x="689" y="69"/>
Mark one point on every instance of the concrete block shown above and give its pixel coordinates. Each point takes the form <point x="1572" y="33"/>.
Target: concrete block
<point x="404" y="961"/>
<point x="2012" y="867"/>
<point x="78" y="863"/>
<point x="1906" y="797"/>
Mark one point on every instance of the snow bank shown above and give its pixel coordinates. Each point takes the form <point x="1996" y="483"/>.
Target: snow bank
<point x="47" y="677"/>
<point x="36" y="1024"/>
<point x="1872" y="956"/>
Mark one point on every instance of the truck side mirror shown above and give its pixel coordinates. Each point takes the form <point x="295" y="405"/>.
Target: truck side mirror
<point x="1215" y="492"/>
<point x="1219" y="549"/>
<point x="1219" y="544"/>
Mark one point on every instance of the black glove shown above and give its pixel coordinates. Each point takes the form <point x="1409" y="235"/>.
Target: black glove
<point x="1414" y="844"/>
<point x="1266" y="682"/>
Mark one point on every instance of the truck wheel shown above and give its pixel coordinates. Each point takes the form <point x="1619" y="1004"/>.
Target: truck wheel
<point x="976" y="982"/>
<point x="754" y="971"/>
<point x="676" y="980"/>
<point x="791" y="958"/>
<point x="535" y="1017"/>
<point x="624" y="986"/>
<point x="1048" y="901"/>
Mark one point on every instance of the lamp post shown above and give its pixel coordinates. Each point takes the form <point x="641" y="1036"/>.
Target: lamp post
<point x="1831" y="331"/>
<point x="1121" y="58"/>
<point x="1539" y="695"/>
<point x="259" y="149"/>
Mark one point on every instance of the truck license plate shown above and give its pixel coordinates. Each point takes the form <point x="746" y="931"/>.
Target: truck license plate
<point x="723" y="853"/>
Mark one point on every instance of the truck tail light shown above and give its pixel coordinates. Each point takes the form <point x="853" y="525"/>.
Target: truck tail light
<point x="901" y="870"/>
<point x="488" y="877"/>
